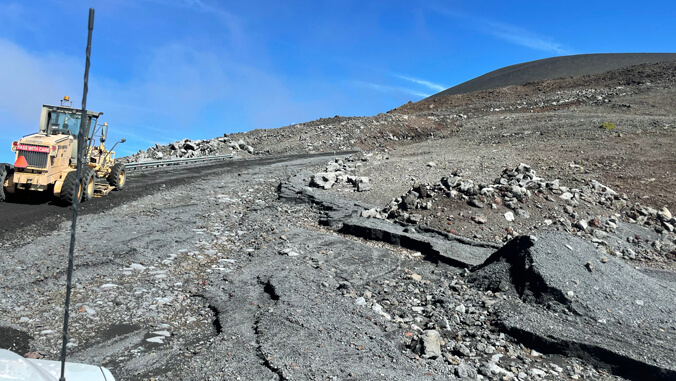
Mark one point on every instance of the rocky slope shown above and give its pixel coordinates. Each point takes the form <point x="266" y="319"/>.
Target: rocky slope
<point x="552" y="125"/>
<point x="553" y="122"/>
<point x="555" y="67"/>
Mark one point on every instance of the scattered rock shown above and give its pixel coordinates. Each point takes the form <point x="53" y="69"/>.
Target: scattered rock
<point x="509" y="216"/>
<point x="324" y="180"/>
<point x="431" y="343"/>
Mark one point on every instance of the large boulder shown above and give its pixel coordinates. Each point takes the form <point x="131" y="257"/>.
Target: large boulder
<point x="324" y="180"/>
<point x="190" y="146"/>
<point x="363" y="184"/>
<point x="409" y="200"/>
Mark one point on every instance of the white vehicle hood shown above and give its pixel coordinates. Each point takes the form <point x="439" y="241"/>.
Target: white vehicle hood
<point x="15" y="367"/>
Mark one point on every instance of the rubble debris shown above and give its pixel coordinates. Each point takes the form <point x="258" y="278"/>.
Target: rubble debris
<point x="187" y="148"/>
<point x="338" y="172"/>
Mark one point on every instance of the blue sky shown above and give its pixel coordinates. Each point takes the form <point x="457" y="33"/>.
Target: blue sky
<point x="163" y="70"/>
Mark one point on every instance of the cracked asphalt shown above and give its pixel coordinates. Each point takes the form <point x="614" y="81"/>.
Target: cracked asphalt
<point x="205" y="273"/>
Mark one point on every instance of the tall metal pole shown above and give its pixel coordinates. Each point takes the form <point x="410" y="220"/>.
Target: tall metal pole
<point x="80" y="149"/>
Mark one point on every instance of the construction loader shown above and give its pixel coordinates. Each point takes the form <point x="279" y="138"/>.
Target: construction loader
<point x="46" y="161"/>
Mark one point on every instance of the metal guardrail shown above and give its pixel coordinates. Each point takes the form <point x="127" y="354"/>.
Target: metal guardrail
<point x="164" y="163"/>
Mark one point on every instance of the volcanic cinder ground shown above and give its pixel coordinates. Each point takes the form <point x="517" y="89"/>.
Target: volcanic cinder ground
<point x="496" y="234"/>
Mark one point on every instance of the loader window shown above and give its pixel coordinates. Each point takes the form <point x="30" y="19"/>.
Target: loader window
<point x="92" y="126"/>
<point x="64" y="123"/>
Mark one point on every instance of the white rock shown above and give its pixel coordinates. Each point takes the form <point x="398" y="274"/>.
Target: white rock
<point x="289" y="251"/>
<point x="431" y="341"/>
<point x="370" y="213"/>
<point x="332" y="167"/>
<point x="377" y="308"/>
<point x="499" y="370"/>
<point x="324" y="180"/>
<point x="566" y="196"/>
<point x="509" y="216"/>
<point x="664" y="214"/>
<point x="582" y="225"/>
<point x="363" y="184"/>
<point x="137" y="266"/>
<point x="538" y="372"/>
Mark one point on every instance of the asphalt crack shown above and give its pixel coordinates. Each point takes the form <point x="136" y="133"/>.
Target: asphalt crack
<point x="216" y="323"/>
<point x="271" y="299"/>
<point x="269" y="289"/>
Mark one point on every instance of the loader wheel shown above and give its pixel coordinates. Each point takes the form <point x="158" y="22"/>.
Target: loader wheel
<point x="3" y="175"/>
<point x="8" y="170"/>
<point x="70" y="190"/>
<point x="117" y="176"/>
<point x="89" y="183"/>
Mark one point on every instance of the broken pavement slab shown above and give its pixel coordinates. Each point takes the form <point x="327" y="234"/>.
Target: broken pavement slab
<point x="437" y="246"/>
<point x="434" y="245"/>
<point x="616" y="316"/>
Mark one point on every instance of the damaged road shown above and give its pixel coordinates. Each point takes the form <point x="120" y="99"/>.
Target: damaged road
<point x="251" y="274"/>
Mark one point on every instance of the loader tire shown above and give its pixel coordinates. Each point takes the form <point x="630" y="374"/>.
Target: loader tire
<point x="3" y="175"/>
<point x="117" y="176"/>
<point x="70" y="190"/>
<point x="88" y="183"/>
<point x="5" y="170"/>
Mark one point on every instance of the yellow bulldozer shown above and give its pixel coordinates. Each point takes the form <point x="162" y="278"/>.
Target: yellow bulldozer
<point x="46" y="161"/>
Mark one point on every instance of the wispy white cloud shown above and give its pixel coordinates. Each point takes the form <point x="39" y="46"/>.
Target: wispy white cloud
<point x="13" y="17"/>
<point x="227" y="19"/>
<point x="30" y="79"/>
<point x="390" y="89"/>
<point x="507" y="32"/>
<point x="428" y="84"/>
<point x="523" y="37"/>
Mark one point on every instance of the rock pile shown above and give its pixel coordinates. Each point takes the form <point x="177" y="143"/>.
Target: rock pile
<point x="339" y="172"/>
<point x="187" y="148"/>
<point x="519" y="199"/>
<point x="513" y="189"/>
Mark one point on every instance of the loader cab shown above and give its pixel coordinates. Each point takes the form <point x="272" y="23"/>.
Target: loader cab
<point x="57" y="120"/>
<point x="67" y="121"/>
